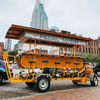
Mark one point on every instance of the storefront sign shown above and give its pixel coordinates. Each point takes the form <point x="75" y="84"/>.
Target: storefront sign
<point x="53" y="38"/>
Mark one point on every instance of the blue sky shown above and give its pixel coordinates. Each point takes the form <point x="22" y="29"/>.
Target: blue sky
<point x="77" y="16"/>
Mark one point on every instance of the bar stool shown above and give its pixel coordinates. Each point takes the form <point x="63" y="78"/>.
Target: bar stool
<point x="76" y="71"/>
<point x="31" y="62"/>
<point x="55" y="69"/>
<point x="45" y="62"/>
<point x="68" y="73"/>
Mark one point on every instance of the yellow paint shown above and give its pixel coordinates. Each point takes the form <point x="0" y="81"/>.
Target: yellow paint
<point x="23" y="63"/>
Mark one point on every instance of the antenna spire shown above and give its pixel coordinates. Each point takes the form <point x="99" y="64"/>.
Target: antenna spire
<point x="44" y="3"/>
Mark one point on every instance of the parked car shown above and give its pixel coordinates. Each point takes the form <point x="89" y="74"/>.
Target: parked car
<point x="3" y="74"/>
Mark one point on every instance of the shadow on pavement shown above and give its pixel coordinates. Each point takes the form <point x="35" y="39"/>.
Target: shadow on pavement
<point x="55" y="86"/>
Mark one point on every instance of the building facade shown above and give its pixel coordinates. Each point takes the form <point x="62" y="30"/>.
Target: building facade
<point x="8" y="43"/>
<point x="91" y="47"/>
<point x="39" y="17"/>
<point x="98" y="45"/>
<point x="1" y="47"/>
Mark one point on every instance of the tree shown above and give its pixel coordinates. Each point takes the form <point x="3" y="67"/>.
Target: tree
<point x="13" y="53"/>
<point x="98" y="58"/>
<point x="92" y="58"/>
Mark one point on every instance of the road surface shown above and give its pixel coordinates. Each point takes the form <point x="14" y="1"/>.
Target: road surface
<point x="20" y="90"/>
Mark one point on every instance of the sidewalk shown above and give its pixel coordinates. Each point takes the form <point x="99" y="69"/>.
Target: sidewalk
<point x="91" y="93"/>
<point x="8" y="94"/>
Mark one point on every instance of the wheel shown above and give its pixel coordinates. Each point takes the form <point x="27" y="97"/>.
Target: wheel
<point x="30" y="84"/>
<point x="1" y="79"/>
<point x="75" y="82"/>
<point x="43" y="84"/>
<point x="94" y="82"/>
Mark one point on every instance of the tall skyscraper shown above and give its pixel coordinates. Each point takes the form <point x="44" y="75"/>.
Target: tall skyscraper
<point x="39" y="17"/>
<point x="8" y="44"/>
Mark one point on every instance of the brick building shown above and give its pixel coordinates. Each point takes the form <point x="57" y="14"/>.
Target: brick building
<point x="98" y="45"/>
<point x="91" y="47"/>
<point x="1" y="46"/>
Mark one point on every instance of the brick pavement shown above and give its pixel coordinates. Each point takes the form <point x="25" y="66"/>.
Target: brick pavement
<point x="20" y="91"/>
<point x="9" y="94"/>
<point x="90" y="93"/>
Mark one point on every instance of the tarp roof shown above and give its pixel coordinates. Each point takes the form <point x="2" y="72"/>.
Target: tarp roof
<point x="15" y="31"/>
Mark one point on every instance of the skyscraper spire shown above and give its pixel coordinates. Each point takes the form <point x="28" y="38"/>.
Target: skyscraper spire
<point x="40" y="2"/>
<point x="44" y="3"/>
<point x="39" y="16"/>
<point x="37" y="3"/>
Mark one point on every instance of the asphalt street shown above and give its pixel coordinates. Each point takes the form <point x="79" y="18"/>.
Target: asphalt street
<point x="21" y="90"/>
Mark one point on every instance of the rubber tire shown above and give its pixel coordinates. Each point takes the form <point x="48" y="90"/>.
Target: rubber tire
<point x="1" y="79"/>
<point x="93" y="81"/>
<point x="38" y="86"/>
<point x="30" y="84"/>
<point x="75" y="82"/>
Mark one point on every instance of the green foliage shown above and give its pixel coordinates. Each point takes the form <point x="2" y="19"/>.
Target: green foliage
<point x="13" y="53"/>
<point x="98" y="59"/>
<point x="92" y="58"/>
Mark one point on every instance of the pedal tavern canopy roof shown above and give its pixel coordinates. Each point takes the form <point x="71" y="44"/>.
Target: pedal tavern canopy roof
<point x="27" y="34"/>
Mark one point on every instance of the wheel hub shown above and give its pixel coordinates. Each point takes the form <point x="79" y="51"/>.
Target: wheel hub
<point x="43" y="84"/>
<point x="96" y="81"/>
